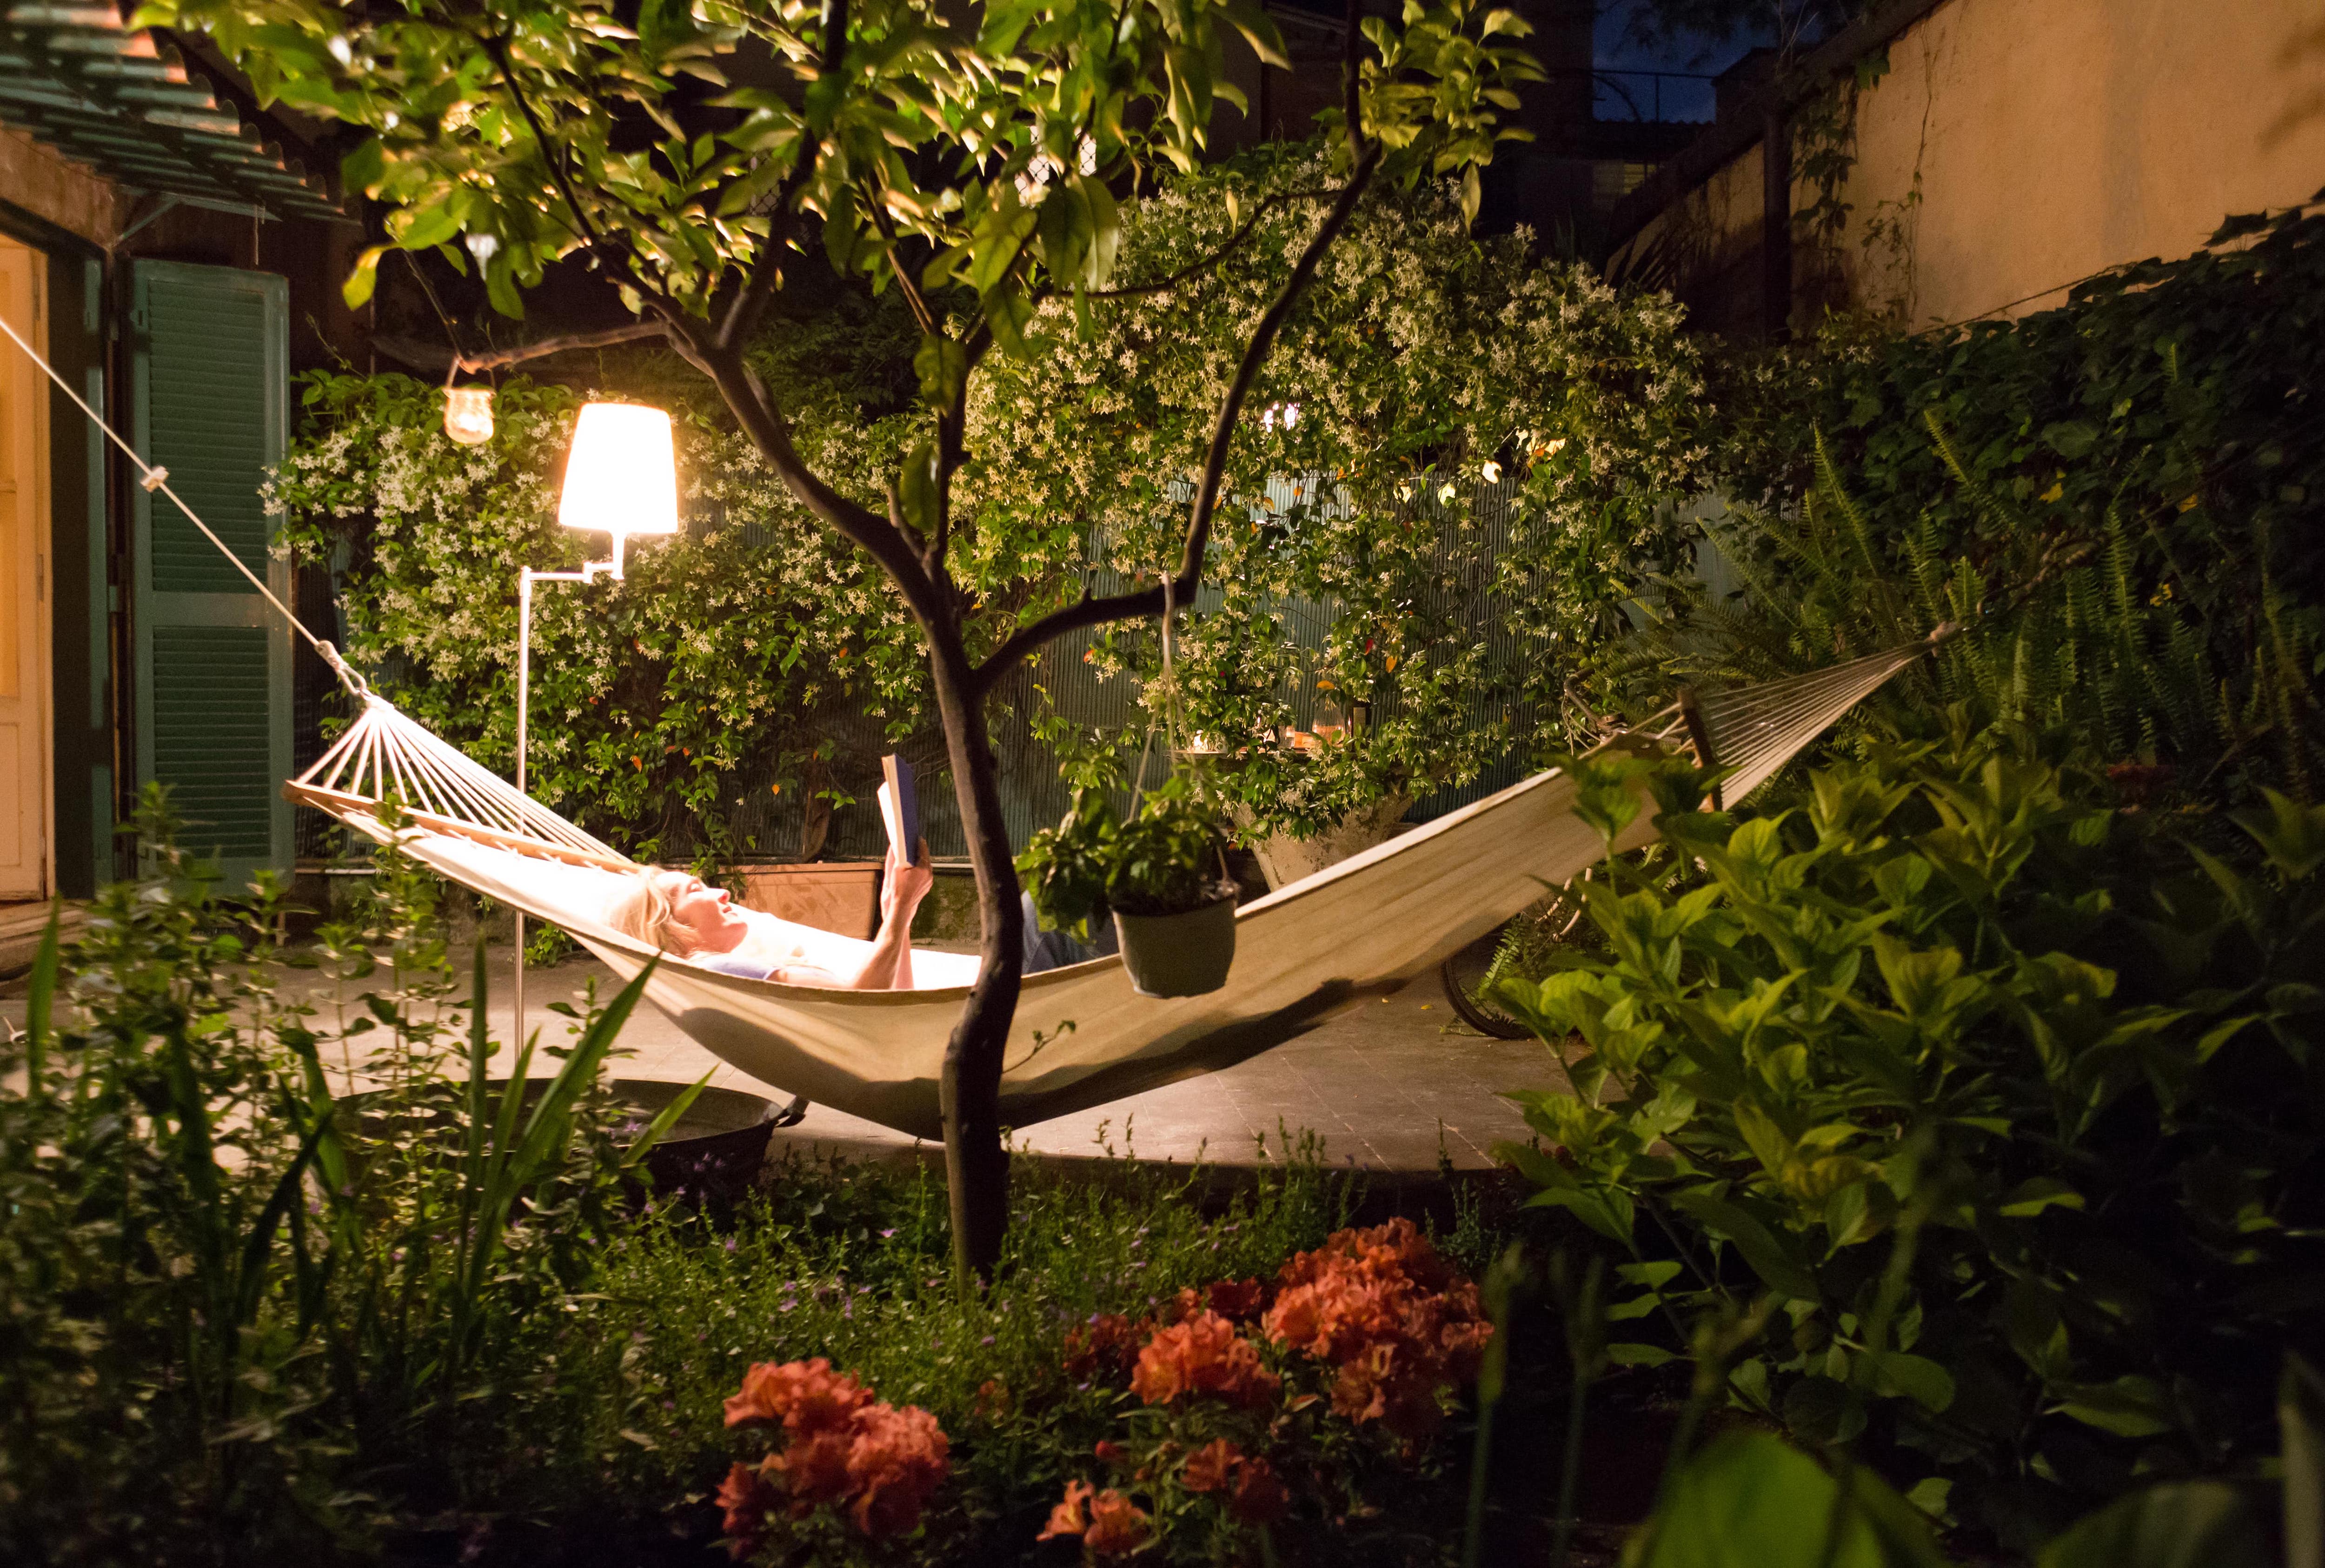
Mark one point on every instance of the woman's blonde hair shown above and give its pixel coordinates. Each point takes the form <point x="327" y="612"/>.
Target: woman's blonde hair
<point x="648" y="912"/>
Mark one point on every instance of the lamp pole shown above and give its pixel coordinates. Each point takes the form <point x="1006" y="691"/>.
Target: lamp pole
<point x="525" y="578"/>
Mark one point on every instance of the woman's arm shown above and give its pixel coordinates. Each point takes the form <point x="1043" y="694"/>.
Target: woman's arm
<point x="888" y="966"/>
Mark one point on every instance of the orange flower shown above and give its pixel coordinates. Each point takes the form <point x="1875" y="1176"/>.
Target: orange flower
<point x="1259" y="1495"/>
<point x="1208" y="1467"/>
<point x="804" y="1396"/>
<point x="1202" y="1356"/>
<point x="1119" y="1526"/>
<point x="896" y="1463"/>
<point x="842" y="1444"/>
<point x="1070" y="1516"/>
<point x="747" y="1500"/>
<point x="814" y="1468"/>
<point x="1110" y="1452"/>
<point x="993" y="1397"/>
<point x="1387" y="1309"/>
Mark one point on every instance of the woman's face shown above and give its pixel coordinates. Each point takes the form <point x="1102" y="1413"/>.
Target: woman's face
<point x="710" y="919"/>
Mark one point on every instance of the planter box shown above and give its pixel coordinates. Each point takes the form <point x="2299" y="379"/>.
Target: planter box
<point x="836" y="895"/>
<point x="1286" y="859"/>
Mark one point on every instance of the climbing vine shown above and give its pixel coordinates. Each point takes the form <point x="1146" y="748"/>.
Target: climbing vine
<point x="1456" y="457"/>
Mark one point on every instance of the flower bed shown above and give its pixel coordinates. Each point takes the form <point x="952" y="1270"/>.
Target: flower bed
<point x="1239" y="1418"/>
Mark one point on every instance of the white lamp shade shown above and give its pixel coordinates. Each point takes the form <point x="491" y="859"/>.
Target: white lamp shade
<point x="621" y="476"/>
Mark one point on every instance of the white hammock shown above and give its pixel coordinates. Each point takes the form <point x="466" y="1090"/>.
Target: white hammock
<point x="1082" y="1036"/>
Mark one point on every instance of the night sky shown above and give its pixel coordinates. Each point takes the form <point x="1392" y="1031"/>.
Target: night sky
<point x="1682" y="100"/>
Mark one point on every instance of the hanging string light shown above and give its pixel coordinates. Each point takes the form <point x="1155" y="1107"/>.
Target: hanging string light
<point x="468" y="414"/>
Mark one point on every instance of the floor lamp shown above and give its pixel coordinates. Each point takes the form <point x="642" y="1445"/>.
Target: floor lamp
<point x="621" y="478"/>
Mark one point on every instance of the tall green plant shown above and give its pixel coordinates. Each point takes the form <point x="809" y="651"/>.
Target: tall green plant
<point x="2107" y="496"/>
<point x="1953" y="981"/>
<point x="230" y="1285"/>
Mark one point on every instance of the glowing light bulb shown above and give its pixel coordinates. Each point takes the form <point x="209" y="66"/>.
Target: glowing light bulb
<point x="622" y="473"/>
<point x="468" y="414"/>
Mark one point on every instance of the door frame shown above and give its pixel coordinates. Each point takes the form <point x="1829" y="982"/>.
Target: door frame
<point x="37" y="509"/>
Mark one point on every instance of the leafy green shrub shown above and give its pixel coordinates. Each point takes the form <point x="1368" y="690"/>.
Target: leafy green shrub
<point x="2125" y="487"/>
<point x="1448" y="467"/>
<point x="234" y="1297"/>
<point x="738" y="645"/>
<point x="1995" y="1104"/>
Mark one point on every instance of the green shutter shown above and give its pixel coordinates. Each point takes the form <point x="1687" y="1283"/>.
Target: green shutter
<point x="211" y="385"/>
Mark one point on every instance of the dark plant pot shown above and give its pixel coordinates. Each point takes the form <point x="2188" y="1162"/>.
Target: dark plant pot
<point x="713" y="1153"/>
<point x="1178" y="955"/>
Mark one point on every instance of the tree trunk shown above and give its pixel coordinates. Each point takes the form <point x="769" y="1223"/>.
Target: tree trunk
<point x="977" y="1169"/>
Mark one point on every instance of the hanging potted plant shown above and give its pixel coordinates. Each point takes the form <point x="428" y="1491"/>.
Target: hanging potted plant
<point x="1160" y="875"/>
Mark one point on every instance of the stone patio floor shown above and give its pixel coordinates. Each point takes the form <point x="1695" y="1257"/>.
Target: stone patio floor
<point x="1385" y="1086"/>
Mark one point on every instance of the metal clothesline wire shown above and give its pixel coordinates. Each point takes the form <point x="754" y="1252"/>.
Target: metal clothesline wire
<point x="158" y="479"/>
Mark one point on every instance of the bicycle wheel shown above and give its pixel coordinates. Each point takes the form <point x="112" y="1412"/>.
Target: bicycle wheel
<point x="1463" y="973"/>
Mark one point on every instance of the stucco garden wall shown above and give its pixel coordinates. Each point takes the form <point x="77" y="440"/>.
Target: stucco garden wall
<point x="2015" y="147"/>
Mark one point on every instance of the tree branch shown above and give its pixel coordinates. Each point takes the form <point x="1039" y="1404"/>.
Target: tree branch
<point x="635" y="332"/>
<point x="1235" y="242"/>
<point x="1147" y="602"/>
<point x="952" y="428"/>
<point x="754" y="410"/>
<point x="743" y="316"/>
<point x="551" y="155"/>
<point x="1091" y="612"/>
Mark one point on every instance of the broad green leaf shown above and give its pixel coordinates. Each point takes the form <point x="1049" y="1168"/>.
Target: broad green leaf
<point x="365" y="277"/>
<point x="916" y="489"/>
<point x="2036" y="1194"/>
<point x="1917" y="1377"/>
<point x="2130" y="1407"/>
<point x="2202" y="1524"/>
<point x="1759" y="1246"/>
<point x="1751" y="1500"/>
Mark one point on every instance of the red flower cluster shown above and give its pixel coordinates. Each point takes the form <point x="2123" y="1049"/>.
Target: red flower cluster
<point x="1203" y="1355"/>
<point x="1396" y="1318"/>
<point x="841" y="1446"/>
<point x="1103" y="1349"/>
<point x="1238" y="1301"/>
<point x="1110" y="1524"/>
<point x="1258" y="1498"/>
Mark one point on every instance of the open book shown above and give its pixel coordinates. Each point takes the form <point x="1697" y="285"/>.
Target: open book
<point x="900" y="807"/>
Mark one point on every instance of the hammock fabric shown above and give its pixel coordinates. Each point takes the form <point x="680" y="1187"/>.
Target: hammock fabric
<point x="1352" y="931"/>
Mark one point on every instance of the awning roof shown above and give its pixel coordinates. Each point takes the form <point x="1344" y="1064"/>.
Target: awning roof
<point x="104" y="95"/>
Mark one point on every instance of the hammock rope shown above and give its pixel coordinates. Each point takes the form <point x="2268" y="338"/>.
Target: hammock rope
<point x="151" y="479"/>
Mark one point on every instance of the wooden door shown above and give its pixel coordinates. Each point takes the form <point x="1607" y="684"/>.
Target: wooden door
<point x="24" y="824"/>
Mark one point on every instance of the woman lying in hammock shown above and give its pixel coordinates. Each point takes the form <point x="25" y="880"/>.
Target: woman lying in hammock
<point x="674" y="911"/>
